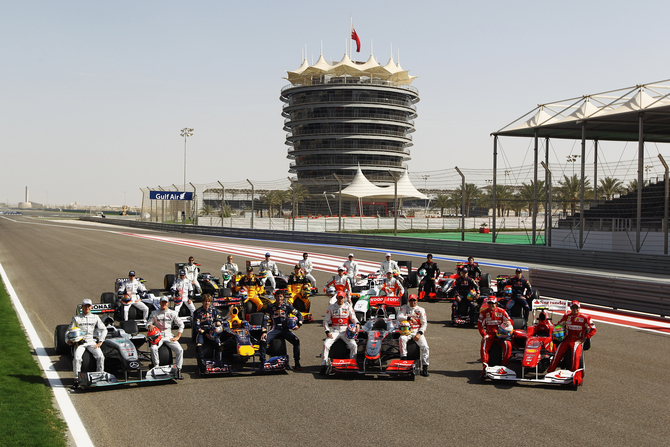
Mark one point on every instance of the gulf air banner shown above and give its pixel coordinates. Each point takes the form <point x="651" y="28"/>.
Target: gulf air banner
<point x="170" y="195"/>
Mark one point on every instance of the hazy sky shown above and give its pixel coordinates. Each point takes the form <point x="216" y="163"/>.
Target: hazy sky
<point x="93" y="94"/>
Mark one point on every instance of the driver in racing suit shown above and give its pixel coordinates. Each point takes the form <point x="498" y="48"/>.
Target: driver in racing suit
<point x="341" y="283"/>
<point x="418" y="323"/>
<point x="388" y="266"/>
<point x="279" y="311"/>
<point x="489" y="320"/>
<point x="351" y="267"/>
<point x="338" y="316"/>
<point x="463" y="285"/>
<point x="271" y="268"/>
<point x="391" y="286"/>
<point x="306" y="265"/>
<point x="579" y="329"/>
<point x="163" y="319"/>
<point x="192" y="272"/>
<point x="252" y="284"/>
<point x="474" y="271"/>
<point x="182" y="289"/>
<point x="432" y="272"/>
<point x="204" y="319"/>
<point x="88" y="323"/>
<point x="132" y="291"/>
<point x="520" y="289"/>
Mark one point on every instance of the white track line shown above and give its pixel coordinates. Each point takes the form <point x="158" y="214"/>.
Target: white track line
<point x="77" y="429"/>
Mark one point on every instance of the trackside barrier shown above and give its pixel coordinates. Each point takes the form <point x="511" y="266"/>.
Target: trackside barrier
<point x="521" y="254"/>
<point x="611" y="291"/>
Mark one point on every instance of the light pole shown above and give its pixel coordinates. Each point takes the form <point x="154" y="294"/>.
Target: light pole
<point x="185" y="132"/>
<point x="425" y="187"/>
<point x="573" y="159"/>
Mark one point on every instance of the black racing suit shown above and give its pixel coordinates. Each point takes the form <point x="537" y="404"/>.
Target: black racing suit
<point x="279" y="314"/>
<point x="463" y="286"/>
<point x="432" y="272"/>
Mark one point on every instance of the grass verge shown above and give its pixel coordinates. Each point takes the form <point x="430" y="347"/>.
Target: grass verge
<point x="26" y="401"/>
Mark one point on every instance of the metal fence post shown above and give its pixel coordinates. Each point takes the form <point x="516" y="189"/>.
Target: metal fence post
<point x="253" y="190"/>
<point x="462" y="204"/>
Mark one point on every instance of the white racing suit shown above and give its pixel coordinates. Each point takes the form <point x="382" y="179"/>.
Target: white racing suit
<point x="184" y="289"/>
<point x="132" y="288"/>
<point x="88" y="324"/>
<point x="388" y="266"/>
<point x="192" y="272"/>
<point x="307" y="266"/>
<point x="352" y="271"/>
<point x="271" y="268"/>
<point x="417" y="320"/>
<point x="336" y="321"/>
<point x="230" y="268"/>
<point x="163" y="320"/>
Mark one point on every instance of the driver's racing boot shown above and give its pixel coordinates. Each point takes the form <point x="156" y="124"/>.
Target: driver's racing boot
<point x="297" y="366"/>
<point x="424" y="371"/>
<point x="75" y="385"/>
<point x="323" y="370"/>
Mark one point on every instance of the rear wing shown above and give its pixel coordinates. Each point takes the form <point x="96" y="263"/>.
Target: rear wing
<point x="553" y="305"/>
<point x="393" y="301"/>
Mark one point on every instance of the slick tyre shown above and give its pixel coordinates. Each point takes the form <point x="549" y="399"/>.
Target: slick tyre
<point x="60" y="344"/>
<point x="108" y="298"/>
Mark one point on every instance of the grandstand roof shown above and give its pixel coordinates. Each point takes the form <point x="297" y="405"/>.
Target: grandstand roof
<point x="613" y="115"/>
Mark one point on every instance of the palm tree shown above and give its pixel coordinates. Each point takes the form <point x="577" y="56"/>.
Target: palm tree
<point x="442" y="201"/>
<point x="611" y="186"/>
<point x="206" y="210"/>
<point x="227" y="211"/>
<point x="300" y="193"/>
<point x="503" y="197"/>
<point x="527" y="192"/>
<point x="472" y="193"/>
<point x="632" y="185"/>
<point x="570" y="190"/>
<point x="271" y="198"/>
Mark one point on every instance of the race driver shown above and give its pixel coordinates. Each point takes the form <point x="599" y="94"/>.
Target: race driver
<point x="388" y="265"/>
<point x="307" y="267"/>
<point x="489" y="320"/>
<point x="131" y="291"/>
<point x="338" y="316"/>
<point x="192" y="272"/>
<point x="182" y="290"/>
<point x="271" y="269"/>
<point x="432" y="272"/>
<point x="391" y="286"/>
<point x="416" y="316"/>
<point x="279" y="313"/>
<point x="341" y="283"/>
<point x="163" y="319"/>
<point x="89" y="324"/>
<point x="351" y="267"/>
<point x="579" y="329"/>
<point x="474" y="271"/>
<point x="520" y="290"/>
<point x="463" y="285"/>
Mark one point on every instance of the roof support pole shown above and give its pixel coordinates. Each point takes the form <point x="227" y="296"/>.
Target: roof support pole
<point x="547" y="195"/>
<point x="547" y="174"/>
<point x="339" y="204"/>
<point x="665" y="206"/>
<point x="595" y="172"/>
<point x="535" y="189"/>
<point x="462" y="204"/>
<point x="640" y="180"/>
<point x="293" y="204"/>
<point x="581" y="194"/>
<point x="494" y="186"/>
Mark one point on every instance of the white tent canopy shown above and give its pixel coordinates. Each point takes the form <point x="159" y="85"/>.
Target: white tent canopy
<point x="362" y="187"/>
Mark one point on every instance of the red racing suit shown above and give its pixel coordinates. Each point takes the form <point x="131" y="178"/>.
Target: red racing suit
<point x="579" y="328"/>
<point x="392" y="287"/>
<point x="489" y="320"/>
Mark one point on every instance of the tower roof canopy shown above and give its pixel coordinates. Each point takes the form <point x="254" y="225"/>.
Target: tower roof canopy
<point x="361" y="187"/>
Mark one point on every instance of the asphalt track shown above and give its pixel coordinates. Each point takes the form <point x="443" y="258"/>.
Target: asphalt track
<point x="54" y="265"/>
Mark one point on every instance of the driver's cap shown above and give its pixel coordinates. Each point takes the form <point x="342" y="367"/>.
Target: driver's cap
<point x="575" y="303"/>
<point x="87" y="301"/>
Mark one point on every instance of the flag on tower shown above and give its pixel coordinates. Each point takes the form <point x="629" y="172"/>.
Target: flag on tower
<point x="355" y="37"/>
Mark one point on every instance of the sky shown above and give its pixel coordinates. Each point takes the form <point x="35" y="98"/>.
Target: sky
<point x="93" y="95"/>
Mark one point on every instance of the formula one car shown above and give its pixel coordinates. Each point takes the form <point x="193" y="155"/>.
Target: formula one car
<point x="125" y="363"/>
<point x="239" y="344"/>
<point x="538" y="351"/>
<point x="208" y="283"/>
<point x="299" y="298"/>
<point x="115" y="303"/>
<point x="381" y="355"/>
<point x="281" y="280"/>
